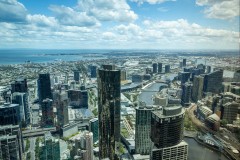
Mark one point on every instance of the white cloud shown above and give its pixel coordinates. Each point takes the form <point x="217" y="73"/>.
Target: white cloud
<point x="68" y="16"/>
<point x="42" y="20"/>
<point x="12" y="11"/>
<point x="224" y="9"/>
<point x="108" y="10"/>
<point x="151" y="1"/>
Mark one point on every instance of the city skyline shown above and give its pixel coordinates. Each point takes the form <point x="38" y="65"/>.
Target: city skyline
<point x="124" y="24"/>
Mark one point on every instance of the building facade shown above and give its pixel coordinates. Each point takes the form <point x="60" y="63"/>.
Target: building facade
<point x="197" y="90"/>
<point x="44" y="87"/>
<point x="108" y="110"/>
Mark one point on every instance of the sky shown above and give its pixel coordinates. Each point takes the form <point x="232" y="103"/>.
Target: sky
<point x="119" y="24"/>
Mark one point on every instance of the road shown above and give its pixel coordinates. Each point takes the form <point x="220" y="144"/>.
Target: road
<point x="32" y="147"/>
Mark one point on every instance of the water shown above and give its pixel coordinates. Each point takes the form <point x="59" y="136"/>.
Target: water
<point x="199" y="152"/>
<point x="38" y="56"/>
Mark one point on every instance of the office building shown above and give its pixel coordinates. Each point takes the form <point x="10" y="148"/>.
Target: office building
<point x="167" y="68"/>
<point x="44" y="87"/>
<point x="9" y="114"/>
<point x="186" y="94"/>
<point x="142" y="129"/>
<point x="78" y="98"/>
<point x="49" y="149"/>
<point x="93" y="127"/>
<point x="84" y="145"/>
<point x="47" y="113"/>
<point x="155" y="67"/>
<point x="20" y="85"/>
<point x="213" y="82"/>
<point x="184" y="76"/>
<point x="61" y="104"/>
<point x="159" y="67"/>
<point x="76" y="75"/>
<point x="93" y="70"/>
<point x="184" y="62"/>
<point x="236" y="76"/>
<point x="108" y="110"/>
<point x="123" y="75"/>
<point x="22" y="100"/>
<point x="167" y="134"/>
<point x="230" y="111"/>
<point x="197" y="89"/>
<point x="11" y="142"/>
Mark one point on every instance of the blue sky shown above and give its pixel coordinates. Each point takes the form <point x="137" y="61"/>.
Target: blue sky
<point x="120" y="24"/>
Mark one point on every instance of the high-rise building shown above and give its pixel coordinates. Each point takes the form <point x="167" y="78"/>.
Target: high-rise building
<point x="61" y="103"/>
<point x="186" y="93"/>
<point x="44" y="87"/>
<point x="184" y="62"/>
<point x="47" y="113"/>
<point x="230" y="111"/>
<point x="49" y="149"/>
<point x="109" y="110"/>
<point x="155" y="67"/>
<point x="76" y="75"/>
<point x="184" y="77"/>
<point x="93" y="70"/>
<point x="20" y="85"/>
<point x="84" y="144"/>
<point x="11" y="146"/>
<point x="213" y="82"/>
<point x="123" y="75"/>
<point x="9" y="114"/>
<point x="167" y="134"/>
<point x="208" y="69"/>
<point x="93" y="127"/>
<point x="78" y="98"/>
<point x="167" y="68"/>
<point x="22" y="100"/>
<point x="197" y="89"/>
<point x="159" y="67"/>
<point x="142" y="130"/>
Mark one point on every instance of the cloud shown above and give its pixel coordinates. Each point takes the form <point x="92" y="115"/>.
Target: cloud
<point x="108" y="10"/>
<point x="42" y="20"/>
<point x="151" y="1"/>
<point x="224" y="9"/>
<point x="68" y="16"/>
<point x="12" y="11"/>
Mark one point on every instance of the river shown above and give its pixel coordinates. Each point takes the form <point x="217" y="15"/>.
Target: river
<point x="199" y="152"/>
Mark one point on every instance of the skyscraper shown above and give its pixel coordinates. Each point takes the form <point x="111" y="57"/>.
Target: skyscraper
<point x="93" y="70"/>
<point x="93" y="127"/>
<point x="184" y="62"/>
<point x="9" y="114"/>
<point x="44" y="87"/>
<point x="109" y="110"/>
<point x="47" y="113"/>
<point x="49" y="148"/>
<point x="159" y="67"/>
<point x="61" y="103"/>
<point x="22" y="100"/>
<point x="155" y="67"/>
<point x="11" y="146"/>
<point x="197" y="89"/>
<point x="20" y="85"/>
<point x="184" y="77"/>
<point x="76" y="75"/>
<point x="167" y="134"/>
<point x="167" y="68"/>
<point x="213" y="82"/>
<point x="186" y="93"/>
<point x="142" y="130"/>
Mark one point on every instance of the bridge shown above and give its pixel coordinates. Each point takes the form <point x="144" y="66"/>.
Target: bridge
<point x="37" y="132"/>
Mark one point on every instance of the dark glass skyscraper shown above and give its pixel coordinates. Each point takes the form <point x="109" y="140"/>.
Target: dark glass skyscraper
<point x="44" y="87"/>
<point x="76" y="75"/>
<point x="213" y="82"/>
<point x="108" y="110"/>
<point x="184" y="62"/>
<point x="167" y="68"/>
<point x="155" y="67"/>
<point x="20" y="85"/>
<point x="159" y="67"/>
<point x="47" y="113"/>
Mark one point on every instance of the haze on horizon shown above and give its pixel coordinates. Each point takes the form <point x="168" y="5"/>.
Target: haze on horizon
<point x="120" y="24"/>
